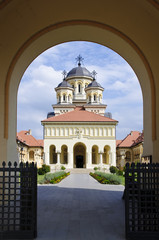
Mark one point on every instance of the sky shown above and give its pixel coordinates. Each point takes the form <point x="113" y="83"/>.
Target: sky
<point x="122" y="92"/>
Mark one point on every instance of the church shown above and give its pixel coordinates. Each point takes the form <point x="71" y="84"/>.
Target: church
<point x="79" y="133"/>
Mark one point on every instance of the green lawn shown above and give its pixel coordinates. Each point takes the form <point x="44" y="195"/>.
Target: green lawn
<point x="40" y="177"/>
<point x="123" y="180"/>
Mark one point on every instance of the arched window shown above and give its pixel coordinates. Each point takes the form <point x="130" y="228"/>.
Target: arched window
<point x="79" y="88"/>
<point x="95" y="98"/>
<point x="31" y="156"/>
<point x="53" y="155"/>
<point x="128" y="156"/>
<point x="89" y="98"/>
<point x="59" y="99"/>
<point x="64" y="97"/>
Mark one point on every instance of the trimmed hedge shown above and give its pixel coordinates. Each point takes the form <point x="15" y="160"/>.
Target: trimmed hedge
<point x="106" y="178"/>
<point x="54" y="177"/>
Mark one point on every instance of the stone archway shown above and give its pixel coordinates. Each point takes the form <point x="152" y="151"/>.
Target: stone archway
<point x="79" y="153"/>
<point x="109" y="30"/>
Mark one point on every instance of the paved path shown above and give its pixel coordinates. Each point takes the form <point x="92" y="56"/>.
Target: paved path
<point x="80" y="208"/>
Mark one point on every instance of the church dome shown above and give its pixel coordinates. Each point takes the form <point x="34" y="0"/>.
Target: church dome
<point x="64" y="84"/>
<point x="79" y="71"/>
<point x="94" y="84"/>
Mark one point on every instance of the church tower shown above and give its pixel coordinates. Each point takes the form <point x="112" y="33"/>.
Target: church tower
<point x="79" y="88"/>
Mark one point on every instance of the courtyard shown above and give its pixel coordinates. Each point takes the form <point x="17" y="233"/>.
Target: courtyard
<point x="80" y="208"/>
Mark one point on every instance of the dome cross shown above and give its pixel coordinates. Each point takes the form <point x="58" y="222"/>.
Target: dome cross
<point x="79" y="59"/>
<point x="94" y="73"/>
<point x="64" y="73"/>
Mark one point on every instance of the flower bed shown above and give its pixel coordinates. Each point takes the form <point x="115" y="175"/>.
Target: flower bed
<point x="53" y="178"/>
<point x="106" y="178"/>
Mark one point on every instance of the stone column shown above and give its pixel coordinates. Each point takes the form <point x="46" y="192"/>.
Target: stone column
<point x="101" y="158"/>
<point x="89" y="159"/>
<point x="113" y="158"/>
<point x="47" y="157"/>
<point x="58" y="158"/>
<point x="70" y="159"/>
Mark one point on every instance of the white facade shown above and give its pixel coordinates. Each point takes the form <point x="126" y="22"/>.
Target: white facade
<point x="86" y="143"/>
<point x="72" y="134"/>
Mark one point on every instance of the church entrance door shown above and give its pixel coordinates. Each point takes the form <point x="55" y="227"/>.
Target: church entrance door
<point x="79" y="151"/>
<point x="79" y="161"/>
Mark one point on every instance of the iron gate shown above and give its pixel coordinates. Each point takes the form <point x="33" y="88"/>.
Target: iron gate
<point x="18" y="201"/>
<point x="142" y="201"/>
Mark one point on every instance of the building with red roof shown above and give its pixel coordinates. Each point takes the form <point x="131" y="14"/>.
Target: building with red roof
<point x="130" y="149"/>
<point x="79" y="133"/>
<point x="29" y="148"/>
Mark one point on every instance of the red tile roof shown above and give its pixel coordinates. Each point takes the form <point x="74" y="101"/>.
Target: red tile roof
<point x="131" y="139"/>
<point x="118" y="142"/>
<point x="79" y="115"/>
<point x="29" y="140"/>
<point x="140" y="139"/>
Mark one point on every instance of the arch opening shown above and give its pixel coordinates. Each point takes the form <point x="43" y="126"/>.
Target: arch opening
<point x="95" y="154"/>
<point x="79" y="155"/>
<point x="31" y="156"/>
<point x="53" y="154"/>
<point x="106" y="155"/>
<point x="56" y="35"/>
<point x="64" y="154"/>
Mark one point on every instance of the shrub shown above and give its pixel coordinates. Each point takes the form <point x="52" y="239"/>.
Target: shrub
<point x="41" y="171"/>
<point x="95" y="168"/>
<point x="120" y="173"/>
<point x="63" y="168"/>
<point x="113" y="169"/>
<point x="46" y="168"/>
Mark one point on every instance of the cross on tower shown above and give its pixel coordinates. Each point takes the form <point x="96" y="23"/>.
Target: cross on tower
<point x="94" y="73"/>
<point x="79" y="59"/>
<point x="64" y="73"/>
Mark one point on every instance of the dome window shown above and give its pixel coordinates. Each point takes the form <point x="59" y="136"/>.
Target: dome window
<point x="95" y="98"/>
<point x="64" y="97"/>
<point x="79" y="88"/>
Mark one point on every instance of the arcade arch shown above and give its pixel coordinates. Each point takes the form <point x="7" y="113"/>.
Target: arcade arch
<point x="79" y="152"/>
<point x="95" y="154"/>
<point x="53" y="154"/>
<point x="106" y="154"/>
<point x="64" y="154"/>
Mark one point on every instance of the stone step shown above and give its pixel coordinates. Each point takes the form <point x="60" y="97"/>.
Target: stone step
<point x="80" y="170"/>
